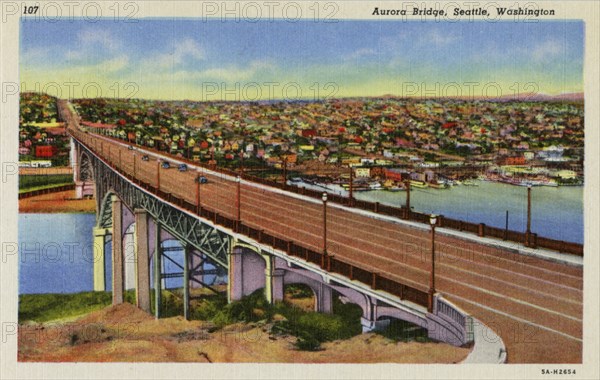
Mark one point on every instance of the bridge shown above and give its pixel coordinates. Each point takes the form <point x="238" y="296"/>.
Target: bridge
<point x="261" y="237"/>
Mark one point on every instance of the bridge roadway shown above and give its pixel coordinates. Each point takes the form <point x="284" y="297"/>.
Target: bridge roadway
<point x="533" y="304"/>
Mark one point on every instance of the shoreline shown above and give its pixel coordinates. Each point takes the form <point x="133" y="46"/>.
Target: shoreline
<point x="58" y="202"/>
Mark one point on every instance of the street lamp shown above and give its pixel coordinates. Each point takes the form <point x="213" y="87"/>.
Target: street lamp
<point x="408" y="208"/>
<point x="528" y="232"/>
<point x="324" y="198"/>
<point x="432" y="222"/>
<point x="238" y="181"/>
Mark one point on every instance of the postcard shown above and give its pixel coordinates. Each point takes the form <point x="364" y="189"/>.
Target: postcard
<point x="242" y="189"/>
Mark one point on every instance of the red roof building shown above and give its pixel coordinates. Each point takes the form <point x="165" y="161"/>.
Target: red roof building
<point x="45" y="151"/>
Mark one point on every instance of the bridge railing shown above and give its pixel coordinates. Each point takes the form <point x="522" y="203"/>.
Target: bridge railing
<point x="456" y="320"/>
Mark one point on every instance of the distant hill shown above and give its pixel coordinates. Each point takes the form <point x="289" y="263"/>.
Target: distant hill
<point x="567" y="97"/>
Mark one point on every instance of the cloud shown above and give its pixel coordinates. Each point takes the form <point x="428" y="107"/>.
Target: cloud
<point x="357" y="54"/>
<point x="96" y="37"/>
<point x="228" y="74"/>
<point x="182" y="50"/>
<point x="112" y="65"/>
<point x="547" y="50"/>
<point x="437" y="38"/>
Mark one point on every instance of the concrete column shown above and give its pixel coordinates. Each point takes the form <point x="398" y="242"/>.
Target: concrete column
<point x="195" y="261"/>
<point x="79" y="189"/>
<point x="99" y="258"/>
<point x="157" y="271"/>
<point x="235" y="276"/>
<point x="142" y="268"/>
<point x="117" y="250"/>
<point x="324" y="301"/>
<point x="186" y="282"/>
<point x="275" y="278"/>
<point x="75" y="161"/>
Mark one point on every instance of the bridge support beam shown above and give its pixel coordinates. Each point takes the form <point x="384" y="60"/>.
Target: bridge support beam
<point x="157" y="270"/>
<point x="74" y="156"/>
<point x="324" y="301"/>
<point x="100" y="258"/>
<point x="117" y="251"/>
<point x="186" y="281"/>
<point x="275" y="278"/>
<point x="234" y="284"/>
<point x="142" y="266"/>
<point x="248" y="271"/>
<point x="196" y="267"/>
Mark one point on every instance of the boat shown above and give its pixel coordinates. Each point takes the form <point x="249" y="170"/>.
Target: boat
<point x="419" y="184"/>
<point x="469" y="182"/>
<point x="550" y="183"/>
<point x="374" y="186"/>
<point x="395" y="189"/>
<point x="438" y="185"/>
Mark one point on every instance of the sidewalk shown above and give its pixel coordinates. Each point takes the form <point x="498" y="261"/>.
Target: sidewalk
<point x="489" y="347"/>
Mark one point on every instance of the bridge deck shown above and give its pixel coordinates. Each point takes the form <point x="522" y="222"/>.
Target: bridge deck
<point x="534" y="305"/>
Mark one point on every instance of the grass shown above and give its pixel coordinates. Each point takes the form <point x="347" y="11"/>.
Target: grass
<point x="402" y="331"/>
<point x="48" y="307"/>
<point x="35" y="182"/>
<point x="311" y="328"/>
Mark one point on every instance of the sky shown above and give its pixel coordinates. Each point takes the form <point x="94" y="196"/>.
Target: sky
<point x="211" y="60"/>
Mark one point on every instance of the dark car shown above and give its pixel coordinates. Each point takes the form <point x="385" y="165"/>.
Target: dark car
<point x="165" y="165"/>
<point x="201" y="179"/>
<point x="130" y="147"/>
<point x="182" y="167"/>
<point x="145" y="157"/>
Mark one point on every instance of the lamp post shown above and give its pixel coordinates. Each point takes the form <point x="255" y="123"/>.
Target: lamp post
<point x="284" y="171"/>
<point x="351" y="187"/>
<point x="324" y="198"/>
<point x="528" y="231"/>
<point x="407" y="184"/>
<point x="432" y="222"/>
<point x="238" y="202"/>
<point x="242" y="161"/>
<point x="198" y="205"/>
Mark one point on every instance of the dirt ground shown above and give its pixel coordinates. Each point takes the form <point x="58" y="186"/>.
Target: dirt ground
<point x="124" y="333"/>
<point x="63" y="201"/>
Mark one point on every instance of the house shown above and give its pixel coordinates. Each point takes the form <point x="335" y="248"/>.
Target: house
<point x="362" y="172"/>
<point x="46" y="151"/>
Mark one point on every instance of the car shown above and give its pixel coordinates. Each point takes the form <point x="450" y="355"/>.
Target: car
<point x="182" y="167"/>
<point x="201" y="179"/>
<point x="130" y="147"/>
<point x="165" y="165"/>
<point x="145" y="157"/>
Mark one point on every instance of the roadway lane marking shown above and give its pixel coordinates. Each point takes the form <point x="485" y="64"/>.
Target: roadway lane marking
<point x="516" y="300"/>
<point x="416" y="237"/>
<point x="416" y="257"/>
<point x="517" y="318"/>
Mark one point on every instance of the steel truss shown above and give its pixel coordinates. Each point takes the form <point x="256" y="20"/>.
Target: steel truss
<point x="189" y="230"/>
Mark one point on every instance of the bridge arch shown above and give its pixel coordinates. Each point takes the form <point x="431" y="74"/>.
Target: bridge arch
<point x="86" y="168"/>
